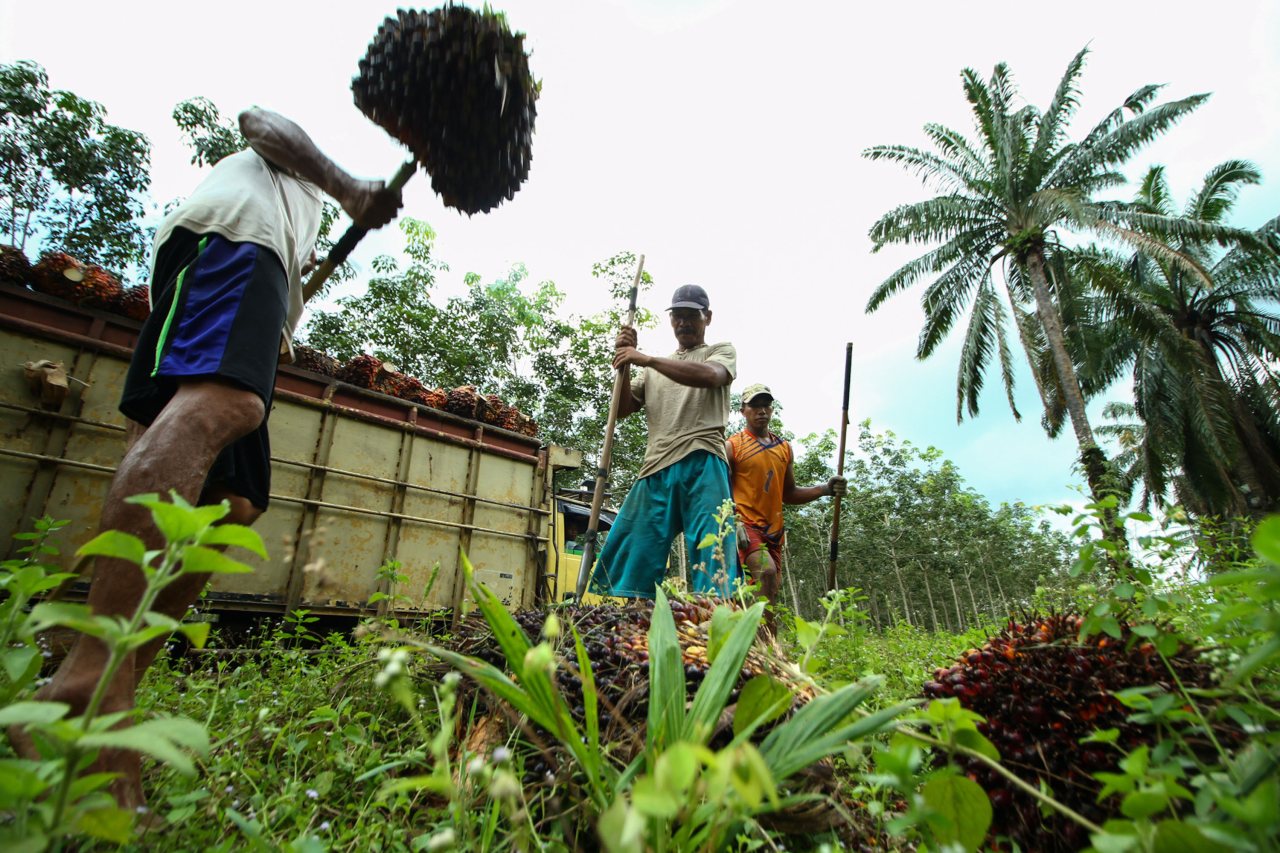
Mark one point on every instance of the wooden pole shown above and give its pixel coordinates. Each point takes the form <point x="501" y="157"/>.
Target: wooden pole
<point x="606" y="454"/>
<point x="835" y="505"/>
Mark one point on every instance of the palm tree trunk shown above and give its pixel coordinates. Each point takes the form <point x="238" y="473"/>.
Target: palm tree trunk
<point x="1092" y="458"/>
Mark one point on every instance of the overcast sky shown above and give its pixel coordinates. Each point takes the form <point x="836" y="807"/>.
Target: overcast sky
<point x="722" y="140"/>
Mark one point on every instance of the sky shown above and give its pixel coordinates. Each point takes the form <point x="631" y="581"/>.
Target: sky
<point x="723" y="141"/>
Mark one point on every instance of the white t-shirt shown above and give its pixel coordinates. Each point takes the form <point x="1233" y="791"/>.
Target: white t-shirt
<point x="247" y="201"/>
<point x="681" y="418"/>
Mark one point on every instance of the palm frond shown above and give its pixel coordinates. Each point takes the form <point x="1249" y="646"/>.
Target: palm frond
<point x="1052" y="125"/>
<point x="962" y="245"/>
<point x="1120" y="143"/>
<point x="930" y="221"/>
<point x="950" y="176"/>
<point x="1221" y="187"/>
<point x="984" y="335"/>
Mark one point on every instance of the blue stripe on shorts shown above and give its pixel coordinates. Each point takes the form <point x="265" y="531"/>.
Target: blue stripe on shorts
<point x="214" y="289"/>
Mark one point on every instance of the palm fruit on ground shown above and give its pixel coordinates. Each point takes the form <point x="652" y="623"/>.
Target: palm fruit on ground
<point x="98" y="289"/>
<point x="135" y="302"/>
<point x="453" y="85"/>
<point x="14" y="266"/>
<point x="307" y="358"/>
<point x="1041" y="692"/>
<point x="57" y="274"/>
<point x="362" y="370"/>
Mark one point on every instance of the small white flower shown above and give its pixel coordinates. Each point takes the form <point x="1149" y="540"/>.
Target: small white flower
<point x="140" y="809"/>
<point x="475" y="765"/>
<point x="442" y="840"/>
<point x="501" y="755"/>
<point x="313" y="793"/>
<point x="324" y="826"/>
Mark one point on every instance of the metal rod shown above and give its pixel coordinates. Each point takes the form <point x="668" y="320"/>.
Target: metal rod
<point x="835" y="505"/>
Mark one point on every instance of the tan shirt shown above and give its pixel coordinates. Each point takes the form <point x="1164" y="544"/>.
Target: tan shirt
<point x="247" y="201"/>
<point x="683" y="419"/>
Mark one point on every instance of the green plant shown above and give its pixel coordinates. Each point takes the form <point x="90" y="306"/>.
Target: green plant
<point x="677" y="792"/>
<point x="50" y="794"/>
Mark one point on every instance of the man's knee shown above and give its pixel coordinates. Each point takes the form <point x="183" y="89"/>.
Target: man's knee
<point x="221" y="411"/>
<point x="242" y="509"/>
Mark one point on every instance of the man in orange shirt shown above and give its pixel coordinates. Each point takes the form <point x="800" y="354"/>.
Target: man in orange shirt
<point x="761" y="473"/>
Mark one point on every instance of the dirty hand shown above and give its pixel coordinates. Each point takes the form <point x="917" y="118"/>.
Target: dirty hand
<point x="623" y="356"/>
<point x="626" y="338"/>
<point x="371" y="204"/>
<point x="838" y="486"/>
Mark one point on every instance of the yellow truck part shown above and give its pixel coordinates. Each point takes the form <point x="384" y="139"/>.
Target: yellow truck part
<point x="358" y="478"/>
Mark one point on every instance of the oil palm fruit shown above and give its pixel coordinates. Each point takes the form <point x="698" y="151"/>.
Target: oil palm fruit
<point x="135" y="302"/>
<point x="57" y="274"/>
<point x="14" y="266"/>
<point x="98" y="288"/>
<point x="307" y="358"/>
<point x="1041" y="691"/>
<point x="362" y="370"/>
<point x="465" y="402"/>
<point x="453" y="84"/>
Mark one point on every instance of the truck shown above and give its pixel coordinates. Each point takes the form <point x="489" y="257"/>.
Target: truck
<point x="370" y="493"/>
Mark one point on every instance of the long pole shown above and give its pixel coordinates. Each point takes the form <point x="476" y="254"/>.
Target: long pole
<point x="620" y="386"/>
<point x="835" y="505"/>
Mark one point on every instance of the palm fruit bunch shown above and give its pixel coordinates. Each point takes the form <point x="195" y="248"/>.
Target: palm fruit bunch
<point x="398" y="385"/>
<point x="495" y="410"/>
<point x="362" y="371"/>
<point x="307" y="358"/>
<point x="1041" y="691"/>
<point x="14" y="266"/>
<point x="525" y="425"/>
<point x="433" y="397"/>
<point x="98" y="288"/>
<point x="454" y="85"/>
<point x="135" y="303"/>
<point x="465" y="402"/>
<point x="57" y="274"/>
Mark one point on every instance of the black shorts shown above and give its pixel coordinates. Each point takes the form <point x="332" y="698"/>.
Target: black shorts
<point x="217" y="308"/>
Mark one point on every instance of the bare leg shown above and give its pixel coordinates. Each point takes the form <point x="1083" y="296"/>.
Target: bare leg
<point x="175" y="453"/>
<point x="763" y="571"/>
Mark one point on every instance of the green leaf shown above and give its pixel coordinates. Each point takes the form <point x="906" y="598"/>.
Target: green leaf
<point x="234" y="535"/>
<point x="1266" y="540"/>
<point x="197" y="633"/>
<point x="763" y="699"/>
<point x="651" y="800"/>
<point x="965" y="806"/>
<point x="806" y="634"/>
<point x="33" y="713"/>
<point x="1113" y="842"/>
<point x="166" y="739"/>
<point x="666" y="677"/>
<point x="707" y="541"/>
<point x="1174" y="836"/>
<point x="676" y="768"/>
<point x="1142" y="804"/>
<point x="713" y="694"/>
<point x="722" y="621"/>
<point x="106" y="824"/>
<point x="200" y="560"/>
<point x="47" y="614"/>
<point x="20" y="781"/>
<point x="621" y="828"/>
<point x="115" y="544"/>
<point x="975" y="740"/>
<point x="18" y="662"/>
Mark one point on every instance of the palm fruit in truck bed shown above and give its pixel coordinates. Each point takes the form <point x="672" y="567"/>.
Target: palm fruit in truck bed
<point x="14" y="266"/>
<point x="454" y="86"/>
<point x="464" y="402"/>
<point x="495" y="411"/>
<point x="433" y="397"/>
<point x="135" y="302"/>
<point x="57" y="274"/>
<point x="98" y="288"/>
<point x="307" y="358"/>
<point x="362" y="370"/>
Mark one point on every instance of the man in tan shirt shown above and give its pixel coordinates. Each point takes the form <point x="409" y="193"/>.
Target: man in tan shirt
<point x="684" y="479"/>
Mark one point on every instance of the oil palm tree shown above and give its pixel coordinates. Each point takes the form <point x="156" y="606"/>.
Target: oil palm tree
<point x="1203" y="351"/>
<point x="1006" y="201"/>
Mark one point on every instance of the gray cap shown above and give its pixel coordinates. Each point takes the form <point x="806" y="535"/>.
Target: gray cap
<point x="690" y="296"/>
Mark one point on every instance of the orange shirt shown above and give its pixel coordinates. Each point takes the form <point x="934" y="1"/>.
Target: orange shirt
<point x="759" y="472"/>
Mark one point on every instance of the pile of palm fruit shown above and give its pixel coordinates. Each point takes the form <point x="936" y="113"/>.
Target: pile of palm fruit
<point x="366" y="371"/>
<point x="453" y="84"/>
<point x="1042" y="692"/>
<point x="616" y="640"/>
<point x="60" y="275"/>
